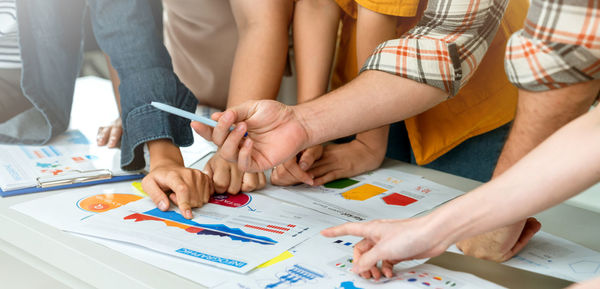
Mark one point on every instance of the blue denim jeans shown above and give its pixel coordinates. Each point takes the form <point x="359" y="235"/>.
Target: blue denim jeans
<point x="475" y="158"/>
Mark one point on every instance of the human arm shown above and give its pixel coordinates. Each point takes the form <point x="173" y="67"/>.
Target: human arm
<point x="169" y="179"/>
<point x="562" y="166"/>
<point x="436" y="60"/>
<point x="277" y="132"/>
<point x="367" y="151"/>
<point x="126" y="32"/>
<point x="263" y="34"/>
<point x="539" y="114"/>
<point x="588" y="284"/>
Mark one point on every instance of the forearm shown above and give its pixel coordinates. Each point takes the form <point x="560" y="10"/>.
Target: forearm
<point x="372" y="100"/>
<point x="261" y="50"/>
<point x="376" y="140"/>
<point x="314" y="50"/>
<point x="539" y="114"/>
<point x="562" y="166"/>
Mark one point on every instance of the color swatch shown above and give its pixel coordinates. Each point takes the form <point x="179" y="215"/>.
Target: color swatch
<point x="341" y="183"/>
<point x="363" y="192"/>
<point x="396" y="199"/>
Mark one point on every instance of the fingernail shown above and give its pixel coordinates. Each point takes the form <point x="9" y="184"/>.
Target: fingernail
<point x="188" y="213"/>
<point x="304" y="166"/>
<point x="162" y="206"/>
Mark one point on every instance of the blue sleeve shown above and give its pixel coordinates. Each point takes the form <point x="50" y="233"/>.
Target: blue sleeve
<point x="126" y="32"/>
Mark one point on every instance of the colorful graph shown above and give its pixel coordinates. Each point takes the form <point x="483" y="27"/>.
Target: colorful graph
<point x="396" y="199"/>
<point x="173" y="219"/>
<point x="295" y="275"/>
<point x="105" y="202"/>
<point x="363" y="192"/>
<point x="270" y="226"/>
<point x="229" y="200"/>
<point x="341" y="183"/>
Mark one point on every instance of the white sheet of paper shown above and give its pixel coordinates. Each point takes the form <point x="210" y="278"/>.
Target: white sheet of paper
<point x="237" y="233"/>
<point x="554" y="256"/>
<point x="325" y="263"/>
<point x="379" y="194"/>
<point x="79" y="204"/>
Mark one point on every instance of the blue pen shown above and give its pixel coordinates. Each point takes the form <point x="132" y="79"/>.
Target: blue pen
<point x="186" y="114"/>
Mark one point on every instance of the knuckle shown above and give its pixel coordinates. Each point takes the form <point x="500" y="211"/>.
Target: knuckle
<point x="181" y="189"/>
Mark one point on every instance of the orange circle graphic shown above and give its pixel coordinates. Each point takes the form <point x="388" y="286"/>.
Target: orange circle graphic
<point x="105" y="202"/>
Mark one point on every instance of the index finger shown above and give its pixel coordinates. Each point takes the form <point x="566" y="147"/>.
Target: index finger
<point x="182" y="192"/>
<point x="354" y="229"/>
<point x="203" y="130"/>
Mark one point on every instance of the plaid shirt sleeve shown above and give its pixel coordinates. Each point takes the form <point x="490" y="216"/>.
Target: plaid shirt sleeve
<point x="558" y="46"/>
<point x="445" y="47"/>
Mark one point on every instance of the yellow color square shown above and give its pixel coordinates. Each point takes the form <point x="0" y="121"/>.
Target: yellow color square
<point x="363" y="192"/>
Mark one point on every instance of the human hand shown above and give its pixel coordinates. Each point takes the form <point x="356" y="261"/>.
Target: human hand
<point x="227" y="178"/>
<point x="588" y="284"/>
<point x="501" y="244"/>
<point x="390" y="241"/>
<point x="345" y="160"/>
<point x="110" y="135"/>
<point x="275" y="134"/>
<point x="187" y="188"/>
<point x="293" y="171"/>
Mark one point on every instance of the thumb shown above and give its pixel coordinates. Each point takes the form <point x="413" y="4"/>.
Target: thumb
<point x="240" y="112"/>
<point x="309" y="156"/>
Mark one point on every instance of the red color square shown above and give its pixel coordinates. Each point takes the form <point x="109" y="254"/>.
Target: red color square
<point x="398" y="200"/>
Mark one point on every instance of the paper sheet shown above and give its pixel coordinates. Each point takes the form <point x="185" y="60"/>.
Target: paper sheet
<point x="69" y="153"/>
<point x="325" y="263"/>
<point x="554" y="256"/>
<point x="235" y="233"/>
<point x="379" y="194"/>
<point x="79" y="204"/>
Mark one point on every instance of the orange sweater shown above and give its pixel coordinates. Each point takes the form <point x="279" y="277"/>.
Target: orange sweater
<point x="486" y="102"/>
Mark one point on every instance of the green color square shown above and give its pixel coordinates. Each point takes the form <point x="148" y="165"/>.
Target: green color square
<point x="341" y="183"/>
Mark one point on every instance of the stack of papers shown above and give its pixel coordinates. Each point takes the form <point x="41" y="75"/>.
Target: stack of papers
<point x="260" y="241"/>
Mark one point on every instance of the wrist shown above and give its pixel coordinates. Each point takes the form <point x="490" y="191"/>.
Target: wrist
<point x="163" y="153"/>
<point x="308" y="117"/>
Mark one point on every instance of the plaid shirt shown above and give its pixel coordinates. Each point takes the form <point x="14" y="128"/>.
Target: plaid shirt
<point x="445" y="47"/>
<point x="559" y="45"/>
